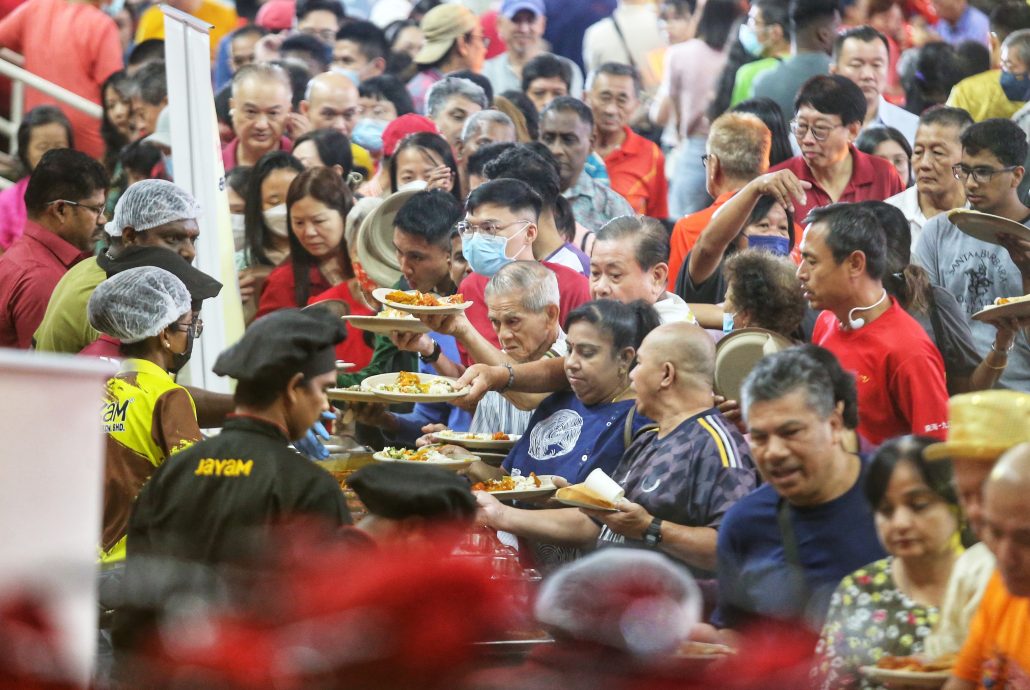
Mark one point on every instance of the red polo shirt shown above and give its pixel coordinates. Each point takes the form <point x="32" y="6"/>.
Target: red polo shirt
<point x="872" y="179"/>
<point x="637" y="172"/>
<point x="229" y="151"/>
<point x="29" y="271"/>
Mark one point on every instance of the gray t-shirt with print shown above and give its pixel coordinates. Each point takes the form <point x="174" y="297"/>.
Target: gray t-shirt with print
<point x="975" y="273"/>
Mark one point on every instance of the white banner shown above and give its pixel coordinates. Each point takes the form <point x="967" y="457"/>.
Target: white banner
<point x="197" y="158"/>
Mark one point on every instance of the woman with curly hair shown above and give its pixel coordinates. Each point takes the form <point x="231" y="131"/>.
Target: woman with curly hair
<point x="762" y="291"/>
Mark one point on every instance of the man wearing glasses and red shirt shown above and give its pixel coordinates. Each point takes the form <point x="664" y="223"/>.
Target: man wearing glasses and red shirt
<point x="65" y="204"/>
<point x="828" y="115"/>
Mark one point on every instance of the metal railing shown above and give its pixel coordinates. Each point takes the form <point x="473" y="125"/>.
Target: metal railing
<point x="11" y="67"/>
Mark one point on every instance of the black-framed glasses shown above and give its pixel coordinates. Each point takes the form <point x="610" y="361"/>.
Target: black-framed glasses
<point x="819" y="132"/>
<point x="194" y="327"/>
<point x="980" y="175"/>
<point x="97" y="210"/>
<point x="704" y="159"/>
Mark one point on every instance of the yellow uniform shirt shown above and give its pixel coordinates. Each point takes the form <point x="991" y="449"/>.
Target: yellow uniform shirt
<point x="222" y="17"/>
<point x="981" y="96"/>
<point x="147" y="417"/>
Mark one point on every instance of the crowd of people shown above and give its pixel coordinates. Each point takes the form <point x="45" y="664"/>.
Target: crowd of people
<point x="626" y="195"/>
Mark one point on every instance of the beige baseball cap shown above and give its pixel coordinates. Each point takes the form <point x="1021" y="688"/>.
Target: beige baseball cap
<point x="441" y="26"/>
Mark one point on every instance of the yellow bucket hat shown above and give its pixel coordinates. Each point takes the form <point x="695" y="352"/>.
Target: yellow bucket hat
<point x="983" y="425"/>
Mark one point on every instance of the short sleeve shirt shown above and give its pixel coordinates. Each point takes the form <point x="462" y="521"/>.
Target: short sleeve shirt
<point x="65" y="327"/>
<point x="637" y="172"/>
<point x="997" y="652"/>
<point x="692" y="476"/>
<point x="594" y="204"/>
<point x="570" y="439"/>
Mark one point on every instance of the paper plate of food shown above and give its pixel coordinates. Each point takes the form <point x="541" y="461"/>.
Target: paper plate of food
<point x="444" y="456"/>
<point x="492" y="459"/>
<point x="911" y="671"/>
<point x="598" y="492"/>
<point x="985" y="226"/>
<point x="495" y="441"/>
<point x="415" y="302"/>
<point x="1005" y="308"/>
<point x="518" y="487"/>
<point x="407" y="386"/>
<point x="386" y="321"/>
<point x="352" y="394"/>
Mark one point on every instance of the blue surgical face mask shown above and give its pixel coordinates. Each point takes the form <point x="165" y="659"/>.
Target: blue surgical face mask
<point x="368" y="134"/>
<point x="167" y="159"/>
<point x="487" y="254"/>
<point x="749" y="40"/>
<point x="349" y="73"/>
<point x="1015" y="88"/>
<point x="774" y="244"/>
<point x="727" y="322"/>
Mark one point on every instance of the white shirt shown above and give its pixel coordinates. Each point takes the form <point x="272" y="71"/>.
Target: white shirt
<point x="908" y="203"/>
<point x="639" y="24"/>
<point x="890" y="115"/>
<point x="671" y="308"/>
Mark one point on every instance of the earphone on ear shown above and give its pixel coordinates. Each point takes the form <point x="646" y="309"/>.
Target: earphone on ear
<point x="855" y="324"/>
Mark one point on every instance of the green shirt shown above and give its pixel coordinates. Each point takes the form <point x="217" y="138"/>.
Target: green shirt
<point x="65" y="326"/>
<point x="746" y="74"/>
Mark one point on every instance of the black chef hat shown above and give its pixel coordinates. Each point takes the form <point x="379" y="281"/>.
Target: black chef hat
<point x="200" y="285"/>
<point x="397" y="491"/>
<point x="282" y="344"/>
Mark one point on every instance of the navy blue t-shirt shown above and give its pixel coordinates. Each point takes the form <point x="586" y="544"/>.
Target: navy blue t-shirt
<point x="834" y="539"/>
<point x="567" y="438"/>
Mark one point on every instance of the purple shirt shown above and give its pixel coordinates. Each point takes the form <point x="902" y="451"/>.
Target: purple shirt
<point x="419" y="86"/>
<point x="973" y="25"/>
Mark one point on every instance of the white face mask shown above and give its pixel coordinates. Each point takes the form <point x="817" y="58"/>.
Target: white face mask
<point x="275" y="219"/>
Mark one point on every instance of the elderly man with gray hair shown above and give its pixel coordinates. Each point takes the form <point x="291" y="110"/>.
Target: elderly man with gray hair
<point x="783" y="548"/>
<point x="481" y="129"/>
<point x="450" y="102"/>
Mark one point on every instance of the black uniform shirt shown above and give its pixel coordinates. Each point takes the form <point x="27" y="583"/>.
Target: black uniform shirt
<point x="209" y="502"/>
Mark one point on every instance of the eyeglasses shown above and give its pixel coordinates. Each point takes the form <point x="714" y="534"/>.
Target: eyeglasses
<point x="980" y="175"/>
<point x="467" y="229"/>
<point x="819" y="132"/>
<point x="97" y="210"/>
<point x="194" y="327"/>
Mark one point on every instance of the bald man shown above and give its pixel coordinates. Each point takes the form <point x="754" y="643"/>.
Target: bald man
<point x="997" y="650"/>
<point x="331" y="102"/>
<point x="679" y="477"/>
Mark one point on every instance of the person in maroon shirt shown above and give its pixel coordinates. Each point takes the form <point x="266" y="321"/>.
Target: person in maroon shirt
<point x="828" y="115"/>
<point x="499" y="227"/>
<point x="899" y="374"/>
<point x="65" y="206"/>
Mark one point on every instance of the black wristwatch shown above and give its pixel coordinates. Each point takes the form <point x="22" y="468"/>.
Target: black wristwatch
<point x="433" y="356"/>
<point x="653" y="533"/>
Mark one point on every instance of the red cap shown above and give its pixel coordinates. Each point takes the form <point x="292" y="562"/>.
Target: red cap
<point x="276" y="15"/>
<point x="402" y="127"/>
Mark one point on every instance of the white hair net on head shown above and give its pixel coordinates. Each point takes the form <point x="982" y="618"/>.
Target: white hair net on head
<point x="138" y="303"/>
<point x="628" y="599"/>
<point x="150" y="203"/>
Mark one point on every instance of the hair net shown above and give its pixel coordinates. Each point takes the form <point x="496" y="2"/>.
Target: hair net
<point x="628" y="599"/>
<point x="138" y="303"/>
<point x="150" y="203"/>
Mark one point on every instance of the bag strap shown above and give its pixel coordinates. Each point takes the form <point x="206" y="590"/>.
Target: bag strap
<point x="790" y="542"/>
<point x="629" y="53"/>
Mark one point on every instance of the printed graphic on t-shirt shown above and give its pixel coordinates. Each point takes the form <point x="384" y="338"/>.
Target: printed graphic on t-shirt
<point x="556" y="435"/>
<point x="983" y="273"/>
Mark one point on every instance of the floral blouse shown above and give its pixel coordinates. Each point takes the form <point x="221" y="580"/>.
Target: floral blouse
<point x="869" y="618"/>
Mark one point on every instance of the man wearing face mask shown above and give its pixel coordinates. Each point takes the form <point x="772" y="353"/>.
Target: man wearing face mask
<point x="997" y="93"/>
<point x="146" y="415"/>
<point x="765" y="35"/>
<point x="500" y="226"/>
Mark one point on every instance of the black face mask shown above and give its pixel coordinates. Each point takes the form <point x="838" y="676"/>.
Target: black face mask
<point x="179" y="359"/>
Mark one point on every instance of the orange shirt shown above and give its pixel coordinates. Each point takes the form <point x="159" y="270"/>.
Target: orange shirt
<point x="74" y="45"/>
<point x="997" y="652"/>
<point x="685" y="234"/>
<point x="637" y="172"/>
